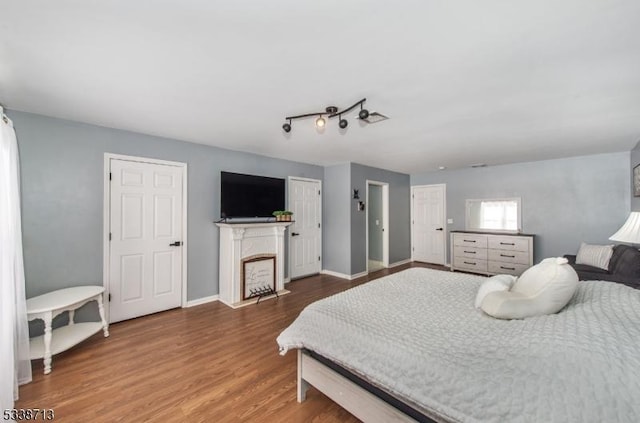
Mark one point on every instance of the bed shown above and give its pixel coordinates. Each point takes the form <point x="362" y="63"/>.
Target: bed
<point x="415" y="338"/>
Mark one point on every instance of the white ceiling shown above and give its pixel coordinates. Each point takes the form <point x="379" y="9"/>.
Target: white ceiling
<point x="493" y="81"/>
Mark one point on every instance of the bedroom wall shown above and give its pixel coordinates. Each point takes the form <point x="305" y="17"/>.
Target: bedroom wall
<point x="336" y="219"/>
<point x="564" y="201"/>
<point x="62" y="198"/>
<point x="399" y="215"/>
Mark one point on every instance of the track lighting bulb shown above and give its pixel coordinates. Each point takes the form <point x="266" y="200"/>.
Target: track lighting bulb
<point x="286" y="127"/>
<point x="343" y="123"/>
<point x="320" y="122"/>
<point x="364" y="113"/>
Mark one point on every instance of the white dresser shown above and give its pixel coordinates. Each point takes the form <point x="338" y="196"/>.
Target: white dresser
<point x="490" y="253"/>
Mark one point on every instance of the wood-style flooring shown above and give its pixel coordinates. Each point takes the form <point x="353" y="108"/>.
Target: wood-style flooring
<point x="206" y="363"/>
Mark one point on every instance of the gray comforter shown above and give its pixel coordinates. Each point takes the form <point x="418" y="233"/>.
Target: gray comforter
<point x="417" y="335"/>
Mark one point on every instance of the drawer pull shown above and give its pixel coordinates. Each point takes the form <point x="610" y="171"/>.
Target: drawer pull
<point x="469" y="240"/>
<point x="472" y="263"/>
<point x="507" y="268"/>
<point x="471" y="252"/>
<point x="507" y="243"/>
<point x="507" y="255"/>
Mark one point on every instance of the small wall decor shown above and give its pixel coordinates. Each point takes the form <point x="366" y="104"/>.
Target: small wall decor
<point x="360" y="205"/>
<point x="636" y="181"/>
<point x="356" y="195"/>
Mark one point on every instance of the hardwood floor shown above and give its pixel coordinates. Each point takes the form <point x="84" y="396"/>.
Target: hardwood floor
<point x="206" y="363"/>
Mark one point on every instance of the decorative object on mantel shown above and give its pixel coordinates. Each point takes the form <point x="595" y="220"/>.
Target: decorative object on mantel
<point x="333" y="111"/>
<point x="630" y="231"/>
<point x="283" y="215"/>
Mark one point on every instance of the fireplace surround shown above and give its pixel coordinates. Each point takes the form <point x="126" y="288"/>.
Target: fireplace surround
<point x="258" y="245"/>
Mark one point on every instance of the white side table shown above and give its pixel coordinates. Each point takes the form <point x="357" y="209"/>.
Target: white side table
<point x="48" y="306"/>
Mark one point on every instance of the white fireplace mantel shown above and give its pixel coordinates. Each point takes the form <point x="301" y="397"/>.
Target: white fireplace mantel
<point x="239" y="241"/>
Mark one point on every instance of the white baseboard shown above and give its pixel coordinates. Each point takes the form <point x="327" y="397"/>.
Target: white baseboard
<point x="336" y="274"/>
<point x="359" y="275"/>
<point x="343" y="275"/>
<point x="400" y="263"/>
<point x="287" y="280"/>
<point x="203" y="300"/>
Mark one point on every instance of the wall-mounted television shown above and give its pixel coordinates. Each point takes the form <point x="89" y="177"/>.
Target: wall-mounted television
<point x="244" y="196"/>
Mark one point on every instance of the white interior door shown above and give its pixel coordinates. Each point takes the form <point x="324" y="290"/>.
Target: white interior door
<point x="305" y="234"/>
<point x="145" y="270"/>
<point x="428" y="223"/>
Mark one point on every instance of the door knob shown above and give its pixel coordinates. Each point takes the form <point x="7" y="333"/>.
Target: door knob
<point x="294" y="234"/>
<point x="175" y="244"/>
<point x="439" y="229"/>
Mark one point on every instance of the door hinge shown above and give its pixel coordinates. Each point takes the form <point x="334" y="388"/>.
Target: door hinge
<point x="318" y="225"/>
<point x="318" y="258"/>
<point x="109" y="297"/>
<point x="110" y="175"/>
<point x="318" y="192"/>
<point x="109" y="236"/>
<point x="413" y="248"/>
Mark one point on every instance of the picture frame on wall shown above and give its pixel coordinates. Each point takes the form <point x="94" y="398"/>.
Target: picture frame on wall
<point x="636" y="181"/>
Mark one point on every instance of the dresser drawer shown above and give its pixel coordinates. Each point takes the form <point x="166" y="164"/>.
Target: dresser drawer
<point x="470" y="252"/>
<point x="511" y="243"/>
<point x="473" y="265"/>
<point x="501" y="268"/>
<point x="506" y="256"/>
<point x="470" y="240"/>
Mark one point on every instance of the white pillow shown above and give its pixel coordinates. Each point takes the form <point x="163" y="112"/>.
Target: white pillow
<point x="492" y="284"/>
<point x="542" y="289"/>
<point x="595" y="255"/>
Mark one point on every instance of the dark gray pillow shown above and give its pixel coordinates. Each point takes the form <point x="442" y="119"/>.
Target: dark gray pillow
<point x="625" y="261"/>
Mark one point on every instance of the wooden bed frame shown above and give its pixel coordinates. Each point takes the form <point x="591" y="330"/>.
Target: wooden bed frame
<point x="353" y="398"/>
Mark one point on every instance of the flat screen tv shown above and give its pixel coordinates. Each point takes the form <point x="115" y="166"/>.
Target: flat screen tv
<point x="243" y="196"/>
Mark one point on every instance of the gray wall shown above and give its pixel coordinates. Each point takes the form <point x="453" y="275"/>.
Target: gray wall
<point x="564" y="201"/>
<point x="62" y="198"/>
<point x="336" y="219"/>
<point x="399" y="215"/>
<point x="374" y="211"/>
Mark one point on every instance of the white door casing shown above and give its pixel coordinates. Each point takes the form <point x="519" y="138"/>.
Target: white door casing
<point x="146" y="212"/>
<point x="305" y="234"/>
<point x="428" y="228"/>
<point x="385" y="222"/>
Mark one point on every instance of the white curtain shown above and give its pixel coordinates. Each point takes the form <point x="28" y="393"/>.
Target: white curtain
<point x="15" y="367"/>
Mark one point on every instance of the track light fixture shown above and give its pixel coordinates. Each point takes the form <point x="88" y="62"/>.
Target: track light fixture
<point x="343" y="123"/>
<point x="329" y="112"/>
<point x="364" y="113"/>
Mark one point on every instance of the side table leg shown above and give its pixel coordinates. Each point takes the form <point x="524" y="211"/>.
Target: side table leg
<point x="105" y="325"/>
<point x="72" y="314"/>
<point x="47" y="343"/>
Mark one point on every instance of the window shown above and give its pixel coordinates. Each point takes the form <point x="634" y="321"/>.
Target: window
<point x="498" y="215"/>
